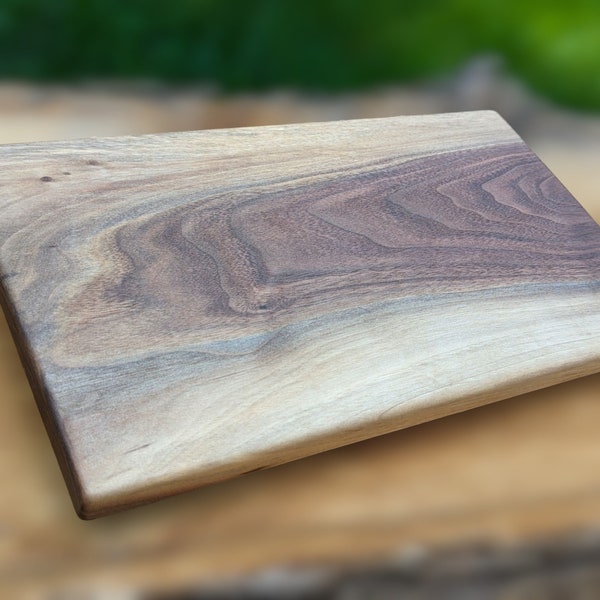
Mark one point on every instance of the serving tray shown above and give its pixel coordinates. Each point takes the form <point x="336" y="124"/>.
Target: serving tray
<point x="194" y="306"/>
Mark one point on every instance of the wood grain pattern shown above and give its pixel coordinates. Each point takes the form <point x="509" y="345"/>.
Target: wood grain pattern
<point x="194" y="306"/>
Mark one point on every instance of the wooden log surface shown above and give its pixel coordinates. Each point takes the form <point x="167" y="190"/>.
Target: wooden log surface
<point x="497" y="477"/>
<point x="195" y="306"/>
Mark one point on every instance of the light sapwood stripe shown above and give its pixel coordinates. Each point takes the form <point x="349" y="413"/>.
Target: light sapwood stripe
<point x="195" y="306"/>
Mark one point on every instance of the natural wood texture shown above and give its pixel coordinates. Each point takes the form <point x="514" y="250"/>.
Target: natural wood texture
<point x="195" y="306"/>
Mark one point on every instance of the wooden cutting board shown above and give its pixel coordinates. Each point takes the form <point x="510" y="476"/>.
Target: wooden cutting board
<point x="194" y="306"/>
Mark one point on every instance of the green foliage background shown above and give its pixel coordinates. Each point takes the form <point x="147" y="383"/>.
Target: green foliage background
<point x="552" y="45"/>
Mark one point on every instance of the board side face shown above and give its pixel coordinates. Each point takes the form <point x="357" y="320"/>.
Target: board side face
<point x="190" y="307"/>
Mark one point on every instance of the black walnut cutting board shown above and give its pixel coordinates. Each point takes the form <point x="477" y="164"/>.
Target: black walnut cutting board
<point x="194" y="306"/>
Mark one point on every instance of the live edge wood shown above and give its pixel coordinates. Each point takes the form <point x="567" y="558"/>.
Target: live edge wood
<point x="193" y="306"/>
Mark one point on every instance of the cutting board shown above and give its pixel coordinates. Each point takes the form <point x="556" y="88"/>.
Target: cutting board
<point x="194" y="306"/>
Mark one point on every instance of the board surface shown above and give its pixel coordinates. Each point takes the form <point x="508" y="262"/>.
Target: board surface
<point x="194" y="306"/>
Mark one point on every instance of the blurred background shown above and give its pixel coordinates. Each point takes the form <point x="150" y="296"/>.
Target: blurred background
<point x="499" y="502"/>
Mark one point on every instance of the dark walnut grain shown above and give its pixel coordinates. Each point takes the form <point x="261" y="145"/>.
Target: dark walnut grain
<point x="195" y="306"/>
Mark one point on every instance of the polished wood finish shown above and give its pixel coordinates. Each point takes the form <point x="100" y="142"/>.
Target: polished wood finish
<point x="190" y="307"/>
